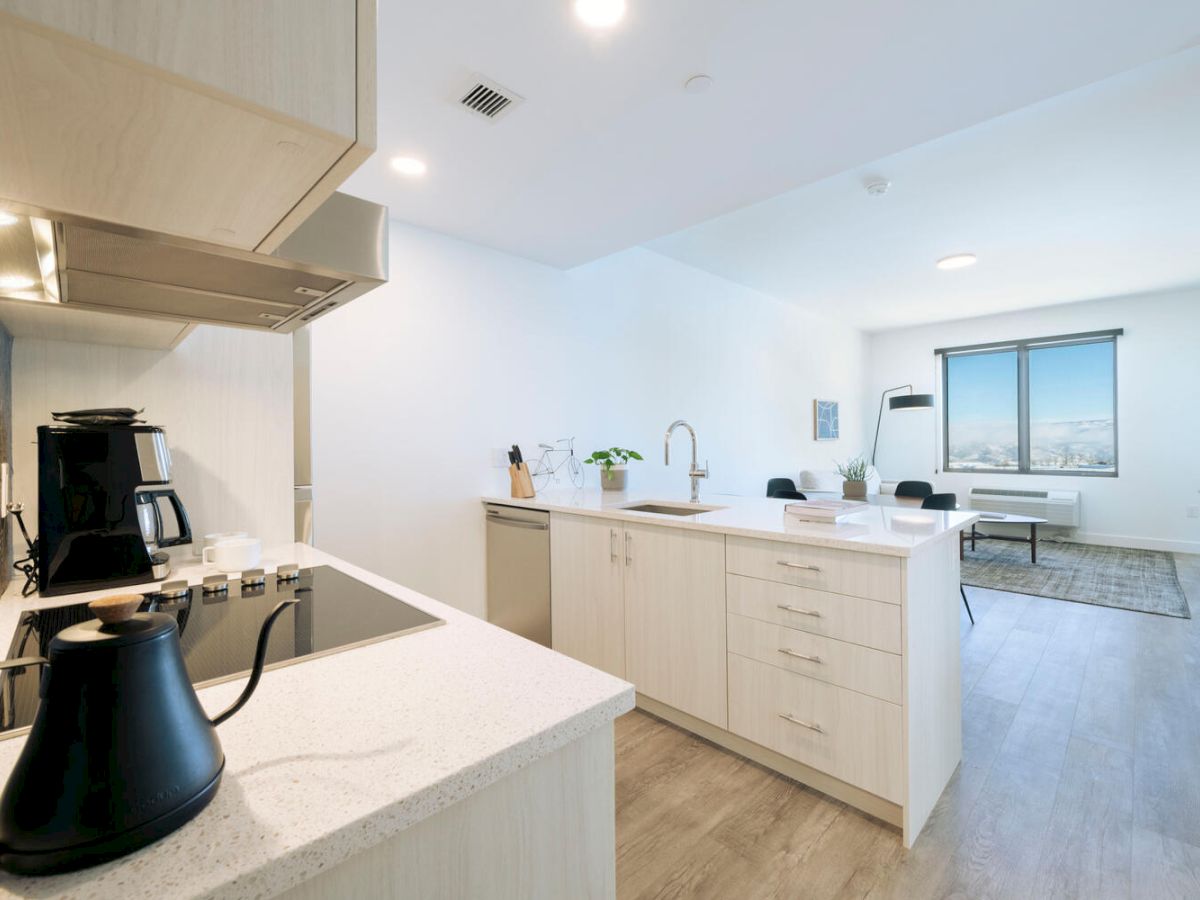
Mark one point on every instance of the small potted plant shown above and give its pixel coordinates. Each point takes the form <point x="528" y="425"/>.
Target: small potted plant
<point x="854" y="478"/>
<point x="613" y="461"/>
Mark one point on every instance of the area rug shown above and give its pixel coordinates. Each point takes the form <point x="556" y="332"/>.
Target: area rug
<point x="1138" y="580"/>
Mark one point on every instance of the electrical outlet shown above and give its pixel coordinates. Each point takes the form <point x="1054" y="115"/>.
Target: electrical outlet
<point x="1193" y="512"/>
<point x="499" y="458"/>
<point x="5" y="488"/>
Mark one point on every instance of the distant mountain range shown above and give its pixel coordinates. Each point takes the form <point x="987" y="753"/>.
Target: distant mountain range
<point x="1075" y="444"/>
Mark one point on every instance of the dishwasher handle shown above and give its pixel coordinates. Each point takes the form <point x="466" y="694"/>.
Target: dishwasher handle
<point x="494" y="516"/>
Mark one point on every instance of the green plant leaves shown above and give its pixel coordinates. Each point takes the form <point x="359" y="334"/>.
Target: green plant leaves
<point x="613" y="456"/>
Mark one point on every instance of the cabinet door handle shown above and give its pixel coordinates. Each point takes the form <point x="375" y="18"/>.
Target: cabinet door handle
<point x="798" y="655"/>
<point x="792" y="565"/>
<point x="811" y="726"/>
<point x="804" y="612"/>
<point x="628" y="549"/>
<point x="612" y="545"/>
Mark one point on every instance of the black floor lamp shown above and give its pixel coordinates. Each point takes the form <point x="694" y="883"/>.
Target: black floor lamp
<point x="904" y="401"/>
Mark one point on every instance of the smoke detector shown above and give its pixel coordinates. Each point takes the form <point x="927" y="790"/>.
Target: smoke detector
<point x="486" y="98"/>
<point x="877" y="187"/>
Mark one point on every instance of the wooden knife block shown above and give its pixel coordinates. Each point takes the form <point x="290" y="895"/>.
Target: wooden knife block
<point x="522" y="484"/>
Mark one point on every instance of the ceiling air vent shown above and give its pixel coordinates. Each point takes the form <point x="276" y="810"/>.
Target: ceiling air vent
<point x="488" y="99"/>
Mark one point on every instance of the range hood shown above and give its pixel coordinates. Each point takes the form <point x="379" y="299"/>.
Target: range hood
<point x="337" y="254"/>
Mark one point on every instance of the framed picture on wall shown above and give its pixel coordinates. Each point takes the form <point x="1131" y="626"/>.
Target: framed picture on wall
<point x="825" y="420"/>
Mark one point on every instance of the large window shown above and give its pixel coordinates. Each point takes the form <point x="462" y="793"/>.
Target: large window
<point x="1039" y="406"/>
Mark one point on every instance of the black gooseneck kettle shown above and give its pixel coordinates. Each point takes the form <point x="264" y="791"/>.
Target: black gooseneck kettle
<point x="120" y="753"/>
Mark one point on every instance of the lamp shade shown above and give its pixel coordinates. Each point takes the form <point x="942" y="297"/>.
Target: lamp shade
<point x="911" y="401"/>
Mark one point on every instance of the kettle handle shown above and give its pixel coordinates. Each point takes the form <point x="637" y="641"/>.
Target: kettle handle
<point x="260" y="658"/>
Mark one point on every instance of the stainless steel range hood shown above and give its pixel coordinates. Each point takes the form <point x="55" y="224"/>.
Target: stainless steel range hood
<point x="337" y="254"/>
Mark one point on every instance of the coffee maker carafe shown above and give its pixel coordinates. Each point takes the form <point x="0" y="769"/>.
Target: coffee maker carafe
<point x="100" y="524"/>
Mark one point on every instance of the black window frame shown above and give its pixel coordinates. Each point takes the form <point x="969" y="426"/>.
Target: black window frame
<point x="1022" y="348"/>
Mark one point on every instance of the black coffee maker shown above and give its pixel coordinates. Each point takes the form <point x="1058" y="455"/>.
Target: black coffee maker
<point x="91" y="480"/>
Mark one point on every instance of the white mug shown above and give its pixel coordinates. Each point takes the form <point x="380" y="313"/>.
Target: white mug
<point x="210" y="539"/>
<point x="234" y="554"/>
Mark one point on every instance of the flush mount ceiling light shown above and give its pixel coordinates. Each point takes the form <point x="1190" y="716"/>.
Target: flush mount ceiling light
<point x="409" y="166"/>
<point x="15" y="282"/>
<point x="600" y="13"/>
<point x="7" y="218"/>
<point x="957" y="261"/>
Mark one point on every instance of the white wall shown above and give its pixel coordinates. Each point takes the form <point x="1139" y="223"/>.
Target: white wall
<point x="468" y="349"/>
<point x="224" y="396"/>
<point x="1158" y="388"/>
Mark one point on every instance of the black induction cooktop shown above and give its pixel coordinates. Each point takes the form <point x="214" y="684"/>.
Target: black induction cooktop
<point x="219" y="629"/>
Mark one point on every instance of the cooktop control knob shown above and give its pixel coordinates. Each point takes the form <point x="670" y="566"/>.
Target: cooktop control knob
<point x="254" y="578"/>
<point x="173" y="590"/>
<point x="216" y="584"/>
<point x="288" y="572"/>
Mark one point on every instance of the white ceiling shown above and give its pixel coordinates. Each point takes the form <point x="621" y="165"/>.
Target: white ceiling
<point x="608" y="151"/>
<point x="1094" y="193"/>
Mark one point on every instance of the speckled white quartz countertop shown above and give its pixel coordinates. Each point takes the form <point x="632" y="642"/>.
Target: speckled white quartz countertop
<point x="885" y="527"/>
<point x="334" y="755"/>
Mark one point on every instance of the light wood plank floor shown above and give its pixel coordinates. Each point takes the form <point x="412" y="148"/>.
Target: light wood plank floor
<point x="1080" y="778"/>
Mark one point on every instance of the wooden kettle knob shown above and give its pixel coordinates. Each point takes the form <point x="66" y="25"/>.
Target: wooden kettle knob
<point x="115" y="608"/>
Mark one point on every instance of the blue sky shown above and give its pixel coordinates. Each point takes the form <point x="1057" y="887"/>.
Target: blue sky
<point x="1065" y="383"/>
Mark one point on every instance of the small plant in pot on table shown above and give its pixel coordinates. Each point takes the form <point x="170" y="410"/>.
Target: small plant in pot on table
<point x="855" y="473"/>
<point x="613" y="460"/>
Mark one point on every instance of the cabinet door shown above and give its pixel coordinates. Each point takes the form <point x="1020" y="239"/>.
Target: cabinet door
<point x="587" y="613"/>
<point x="675" y="618"/>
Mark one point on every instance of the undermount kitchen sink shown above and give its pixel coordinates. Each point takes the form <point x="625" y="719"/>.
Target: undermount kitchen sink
<point x="669" y="508"/>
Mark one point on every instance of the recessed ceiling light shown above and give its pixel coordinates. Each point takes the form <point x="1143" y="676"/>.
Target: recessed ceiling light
<point x="600" y="13"/>
<point x="408" y="165"/>
<point x="957" y="261"/>
<point x="698" y="84"/>
<point x="7" y="218"/>
<point x="15" y="282"/>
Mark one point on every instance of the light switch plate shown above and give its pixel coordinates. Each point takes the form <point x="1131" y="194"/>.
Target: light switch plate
<point x="5" y="488"/>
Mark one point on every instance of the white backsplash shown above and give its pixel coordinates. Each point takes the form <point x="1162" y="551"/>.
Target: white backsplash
<point x="223" y="395"/>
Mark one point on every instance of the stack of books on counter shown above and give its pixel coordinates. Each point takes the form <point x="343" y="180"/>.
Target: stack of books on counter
<point x="824" y="510"/>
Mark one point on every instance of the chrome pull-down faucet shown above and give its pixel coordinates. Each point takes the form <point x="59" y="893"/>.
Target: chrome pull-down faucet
<point x="695" y="472"/>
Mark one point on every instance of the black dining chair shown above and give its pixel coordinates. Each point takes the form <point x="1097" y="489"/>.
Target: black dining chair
<point x="948" y="502"/>
<point x="940" y="501"/>
<point x="779" y="484"/>
<point x="920" y="489"/>
<point x="785" y="494"/>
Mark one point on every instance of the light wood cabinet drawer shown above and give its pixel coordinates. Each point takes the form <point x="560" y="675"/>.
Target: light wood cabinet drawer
<point x="841" y="571"/>
<point x="867" y="622"/>
<point x="826" y="659"/>
<point x="848" y="735"/>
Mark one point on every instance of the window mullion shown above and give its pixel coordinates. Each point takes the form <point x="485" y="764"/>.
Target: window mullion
<point x="1023" y="409"/>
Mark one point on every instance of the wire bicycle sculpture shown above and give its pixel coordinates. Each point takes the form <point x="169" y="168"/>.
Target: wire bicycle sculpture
<point x="545" y="470"/>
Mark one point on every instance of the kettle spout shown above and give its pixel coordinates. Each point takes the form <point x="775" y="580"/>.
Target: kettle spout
<point x="260" y="659"/>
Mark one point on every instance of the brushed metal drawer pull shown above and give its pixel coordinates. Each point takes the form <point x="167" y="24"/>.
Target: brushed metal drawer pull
<point x="811" y="726"/>
<point x="792" y="565"/>
<point x="798" y="655"/>
<point x="612" y="545"/>
<point x="804" y="612"/>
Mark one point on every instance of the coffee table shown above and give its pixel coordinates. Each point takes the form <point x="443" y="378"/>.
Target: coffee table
<point x="1003" y="519"/>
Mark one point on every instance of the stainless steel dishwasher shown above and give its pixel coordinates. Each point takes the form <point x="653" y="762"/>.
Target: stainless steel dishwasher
<point x="518" y="570"/>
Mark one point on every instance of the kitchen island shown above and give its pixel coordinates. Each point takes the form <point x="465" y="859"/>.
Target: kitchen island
<point x="828" y="652"/>
<point x="459" y="760"/>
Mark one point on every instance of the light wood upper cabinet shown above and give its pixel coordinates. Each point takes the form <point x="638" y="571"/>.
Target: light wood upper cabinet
<point x="675" y="619"/>
<point x="587" y="593"/>
<point x="219" y="120"/>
